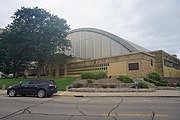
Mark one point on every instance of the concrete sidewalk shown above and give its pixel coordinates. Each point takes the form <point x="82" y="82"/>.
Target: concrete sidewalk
<point x="157" y="93"/>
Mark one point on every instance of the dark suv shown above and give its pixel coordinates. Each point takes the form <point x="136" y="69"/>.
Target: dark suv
<point x="41" y="88"/>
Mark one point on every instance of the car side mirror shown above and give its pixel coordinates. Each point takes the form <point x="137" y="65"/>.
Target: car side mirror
<point x="20" y="83"/>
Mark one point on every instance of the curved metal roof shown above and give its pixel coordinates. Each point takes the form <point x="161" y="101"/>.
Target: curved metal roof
<point x="132" y="47"/>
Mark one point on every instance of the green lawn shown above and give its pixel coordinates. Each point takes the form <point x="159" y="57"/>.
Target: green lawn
<point x="60" y="82"/>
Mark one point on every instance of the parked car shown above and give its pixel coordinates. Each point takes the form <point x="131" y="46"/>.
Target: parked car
<point x="41" y="88"/>
<point x="2" y="75"/>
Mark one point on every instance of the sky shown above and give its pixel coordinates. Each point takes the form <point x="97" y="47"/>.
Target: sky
<point x="153" y="24"/>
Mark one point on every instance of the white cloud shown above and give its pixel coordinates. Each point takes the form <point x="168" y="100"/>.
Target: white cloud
<point x="153" y="24"/>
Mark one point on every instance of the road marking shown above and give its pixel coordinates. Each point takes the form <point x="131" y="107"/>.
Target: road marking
<point x="135" y="115"/>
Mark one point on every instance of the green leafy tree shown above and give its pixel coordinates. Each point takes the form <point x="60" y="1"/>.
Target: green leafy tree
<point x="13" y="57"/>
<point x="35" y="35"/>
<point x="2" y="53"/>
<point x="58" y="59"/>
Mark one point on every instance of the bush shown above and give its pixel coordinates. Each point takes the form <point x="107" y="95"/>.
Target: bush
<point x="77" y="85"/>
<point x="157" y="83"/>
<point x="104" y="86"/>
<point x="178" y="84"/>
<point x="93" y="75"/>
<point x="154" y="76"/>
<point x="161" y="84"/>
<point x="142" y="85"/>
<point x="112" y="86"/>
<point x="85" y="75"/>
<point x="149" y="80"/>
<point x="125" y="79"/>
<point x="163" y="81"/>
<point x="89" y="81"/>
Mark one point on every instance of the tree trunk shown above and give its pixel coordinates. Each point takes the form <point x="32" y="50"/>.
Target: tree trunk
<point x="57" y="71"/>
<point x="15" y="72"/>
<point x="39" y="71"/>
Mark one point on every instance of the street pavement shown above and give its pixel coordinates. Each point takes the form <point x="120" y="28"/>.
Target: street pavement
<point x="157" y="93"/>
<point x="89" y="108"/>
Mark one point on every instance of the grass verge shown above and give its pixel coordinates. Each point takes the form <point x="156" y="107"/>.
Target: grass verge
<point x="60" y="82"/>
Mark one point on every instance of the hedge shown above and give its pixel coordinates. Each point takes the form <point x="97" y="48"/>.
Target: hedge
<point x="94" y="74"/>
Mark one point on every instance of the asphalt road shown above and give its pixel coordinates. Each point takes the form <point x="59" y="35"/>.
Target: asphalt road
<point x="89" y="108"/>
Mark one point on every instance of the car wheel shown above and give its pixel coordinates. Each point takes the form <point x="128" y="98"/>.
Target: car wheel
<point x="41" y="93"/>
<point x="12" y="93"/>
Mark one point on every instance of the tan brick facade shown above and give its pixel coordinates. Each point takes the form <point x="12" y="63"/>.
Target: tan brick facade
<point x="165" y="64"/>
<point x="114" y="66"/>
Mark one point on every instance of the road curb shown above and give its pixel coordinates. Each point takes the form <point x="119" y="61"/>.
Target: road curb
<point x="112" y="96"/>
<point x="116" y="94"/>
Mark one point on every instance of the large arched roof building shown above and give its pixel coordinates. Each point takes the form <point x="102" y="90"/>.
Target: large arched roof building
<point x="94" y="43"/>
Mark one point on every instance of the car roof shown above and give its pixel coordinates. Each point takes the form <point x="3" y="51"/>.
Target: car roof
<point x="40" y="80"/>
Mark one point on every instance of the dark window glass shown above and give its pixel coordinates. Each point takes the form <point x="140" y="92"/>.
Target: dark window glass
<point x="133" y="66"/>
<point x="168" y="63"/>
<point x="39" y="81"/>
<point x="25" y="83"/>
<point x="151" y="62"/>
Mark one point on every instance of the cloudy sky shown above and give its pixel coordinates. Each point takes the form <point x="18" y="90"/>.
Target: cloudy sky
<point x="153" y="24"/>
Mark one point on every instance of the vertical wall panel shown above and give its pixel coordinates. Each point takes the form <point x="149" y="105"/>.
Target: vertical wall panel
<point x="92" y="45"/>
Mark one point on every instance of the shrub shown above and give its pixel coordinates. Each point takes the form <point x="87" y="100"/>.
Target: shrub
<point x="149" y="80"/>
<point x="85" y="75"/>
<point x="112" y="86"/>
<point x="101" y="74"/>
<point x="163" y="81"/>
<point x="142" y="85"/>
<point x="157" y="83"/>
<point x="77" y="85"/>
<point x="178" y="84"/>
<point x="154" y="76"/>
<point x="161" y="84"/>
<point x="89" y="81"/>
<point x="104" y="86"/>
<point x="125" y="79"/>
<point x="93" y="74"/>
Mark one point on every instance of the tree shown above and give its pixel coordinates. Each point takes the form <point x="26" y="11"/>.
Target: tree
<point x="2" y="53"/>
<point x="56" y="60"/>
<point x="34" y="35"/>
<point x="13" y="58"/>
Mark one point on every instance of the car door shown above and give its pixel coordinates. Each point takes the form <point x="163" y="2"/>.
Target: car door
<point x="27" y="88"/>
<point x="33" y="87"/>
<point x="23" y="88"/>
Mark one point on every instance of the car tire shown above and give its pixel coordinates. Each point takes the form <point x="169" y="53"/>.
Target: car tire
<point x="41" y="93"/>
<point x="12" y="93"/>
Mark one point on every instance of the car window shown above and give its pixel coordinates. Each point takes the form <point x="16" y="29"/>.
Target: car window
<point x="38" y="81"/>
<point x="25" y="83"/>
<point x="34" y="82"/>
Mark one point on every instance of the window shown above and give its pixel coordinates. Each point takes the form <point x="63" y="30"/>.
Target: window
<point x="133" y="66"/>
<point x="151" y="62"/>
<point x="171" y="64"/>
<point x="176" y="66"/>
<point x="25" y="83"/>
<point x="168" y="63"/>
